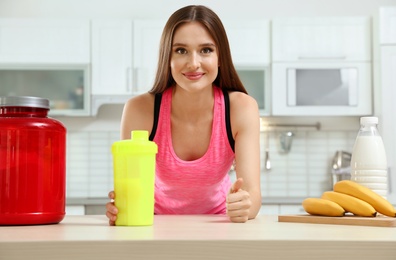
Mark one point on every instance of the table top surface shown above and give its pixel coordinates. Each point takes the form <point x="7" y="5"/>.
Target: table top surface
<point x="193" y="227"/>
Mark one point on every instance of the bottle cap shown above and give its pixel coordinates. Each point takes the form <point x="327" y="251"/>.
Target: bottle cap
<point x="138" y="144"/>
<point x="139" y="136"/>
<point x="368" y="120"/>
<point x="24" y="101"/>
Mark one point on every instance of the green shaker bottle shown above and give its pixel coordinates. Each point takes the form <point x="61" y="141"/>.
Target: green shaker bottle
<point x="134" y="175"/>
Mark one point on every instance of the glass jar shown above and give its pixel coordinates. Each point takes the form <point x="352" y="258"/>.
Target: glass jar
<point x="32" y="162"/>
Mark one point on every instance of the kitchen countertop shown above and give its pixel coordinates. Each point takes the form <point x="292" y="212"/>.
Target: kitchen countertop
<point x="195" y="237"/>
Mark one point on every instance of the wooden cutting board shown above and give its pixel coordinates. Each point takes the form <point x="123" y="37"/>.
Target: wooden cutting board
<point x="379" y="221"/>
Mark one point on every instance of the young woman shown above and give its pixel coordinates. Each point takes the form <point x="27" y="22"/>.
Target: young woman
<point x="201" y="118"/>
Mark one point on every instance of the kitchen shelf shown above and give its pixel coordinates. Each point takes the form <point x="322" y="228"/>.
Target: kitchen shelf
<point x="268" y="127"/>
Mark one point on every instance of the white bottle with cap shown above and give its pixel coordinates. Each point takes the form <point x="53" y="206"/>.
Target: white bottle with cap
<point x="368" y="163"/>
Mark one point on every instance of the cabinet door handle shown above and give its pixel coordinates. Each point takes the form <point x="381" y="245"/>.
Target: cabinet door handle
<point x="135" y="88"/>
<point x="306" y="57"/>
<point x="128" y="79"/>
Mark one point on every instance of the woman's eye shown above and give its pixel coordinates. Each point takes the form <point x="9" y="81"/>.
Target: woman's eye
<point x="207" y="50"/>
<point x="181" y="51"/>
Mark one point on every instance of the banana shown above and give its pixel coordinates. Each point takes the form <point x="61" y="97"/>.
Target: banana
<point x="350" y="204"/>
<point x="354" y="189"/>
<point x="322" y="207"/>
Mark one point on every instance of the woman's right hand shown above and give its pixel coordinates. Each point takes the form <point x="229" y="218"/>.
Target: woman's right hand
<point x="111" y="210"/>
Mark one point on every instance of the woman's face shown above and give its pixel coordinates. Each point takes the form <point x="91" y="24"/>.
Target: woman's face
<point x="194" y="60"/>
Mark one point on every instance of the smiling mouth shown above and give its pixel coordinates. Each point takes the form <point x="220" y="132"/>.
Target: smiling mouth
<point x="193" y="76"/>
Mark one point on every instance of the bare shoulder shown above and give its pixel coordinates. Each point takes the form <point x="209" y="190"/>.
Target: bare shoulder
<point x="143" y="103"/>
<point x="242" y="103"/>
<point x="241" y="99"/>
<point x="138" y="114"/>
<point x="243" y="110"/>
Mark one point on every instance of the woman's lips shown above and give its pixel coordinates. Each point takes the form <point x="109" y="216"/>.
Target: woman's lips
<point x="193" y="76"/>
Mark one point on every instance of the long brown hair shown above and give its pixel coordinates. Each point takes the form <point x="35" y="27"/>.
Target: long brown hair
<point x="227" y="76"/>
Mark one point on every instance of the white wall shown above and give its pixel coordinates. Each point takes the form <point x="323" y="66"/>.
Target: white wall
<point x="163" y="8"/>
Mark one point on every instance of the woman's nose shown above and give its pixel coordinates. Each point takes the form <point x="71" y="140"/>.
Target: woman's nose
<point x="194" y="61"/>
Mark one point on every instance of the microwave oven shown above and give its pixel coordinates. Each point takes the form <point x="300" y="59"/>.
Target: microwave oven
<point x="317" y="89"/>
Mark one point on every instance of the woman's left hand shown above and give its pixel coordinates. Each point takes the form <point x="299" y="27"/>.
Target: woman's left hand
<point x="238" y="203"/>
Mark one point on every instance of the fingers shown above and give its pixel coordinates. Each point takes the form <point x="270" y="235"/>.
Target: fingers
<point x="239" y="214"/>
<point x="239" y="201"/>
<point x="240" y="219"/>
<point x="237" y="185"/>
<point x="238" y="206"/>
<point x="111" y="210"/>
<point x="112" y="218"/>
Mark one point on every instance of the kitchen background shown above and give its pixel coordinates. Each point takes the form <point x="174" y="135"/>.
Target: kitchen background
<point x="303" y="171"/>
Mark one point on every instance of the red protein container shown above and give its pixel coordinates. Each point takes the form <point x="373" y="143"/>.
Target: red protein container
<point x="32" y="163"/>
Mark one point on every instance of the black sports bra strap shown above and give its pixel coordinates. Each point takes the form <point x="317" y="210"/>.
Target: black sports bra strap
<point x="227" y="119"/>
<point x="157" y="106"/>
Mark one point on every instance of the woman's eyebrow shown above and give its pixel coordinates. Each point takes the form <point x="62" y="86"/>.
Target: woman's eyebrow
<point x="202" y="44"/>
<point x="179" y="44"/>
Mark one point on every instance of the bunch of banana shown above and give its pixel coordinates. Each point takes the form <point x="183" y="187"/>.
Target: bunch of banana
<point x="350" y="204"/>
<point x="349" y="196"/>
<point x="354" y="189"/>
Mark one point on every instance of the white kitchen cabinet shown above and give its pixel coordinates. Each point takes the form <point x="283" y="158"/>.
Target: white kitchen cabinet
<point x="285" y="209"/>
<point x="249" y="42"/>
<point x="269" y="209"/>
<point x="325" y="39"/>
<point x="281" y="209"/>
<point x="388" y="107"/>
<point x="44" y="41"/>
<point x="387" y="27"/>
<point x="124" y="59"/>
<point x="66" y="87"/>
<point x="321" y="66"/>
<point x="146" y="43"/>
<point x="112" y="57"/>
<point x="75" y="210"/>
<point x="256" y="81"/>
<point x="250" y="49"/>
<point x="387" y="126"/>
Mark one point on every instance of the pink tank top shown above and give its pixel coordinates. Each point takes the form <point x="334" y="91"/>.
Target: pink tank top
<point x="192" y="187"/>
